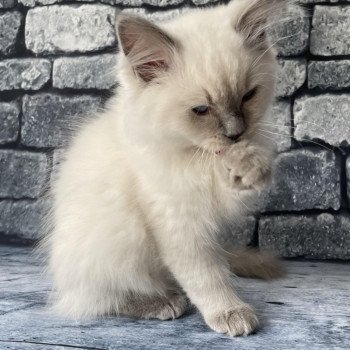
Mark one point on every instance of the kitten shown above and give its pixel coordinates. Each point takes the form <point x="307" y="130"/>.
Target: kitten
<point x="147" y="186"/>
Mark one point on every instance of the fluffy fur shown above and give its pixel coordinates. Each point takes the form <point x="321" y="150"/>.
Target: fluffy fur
<point x="147" y="186"/>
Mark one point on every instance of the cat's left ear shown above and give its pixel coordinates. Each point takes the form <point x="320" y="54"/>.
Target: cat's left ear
<point x="255" y="17"/>
<point x="149" y="50"/>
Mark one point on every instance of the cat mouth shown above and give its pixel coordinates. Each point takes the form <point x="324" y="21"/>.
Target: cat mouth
<point x="221" y="151"/>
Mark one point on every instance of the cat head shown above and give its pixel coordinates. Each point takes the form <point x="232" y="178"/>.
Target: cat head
<point x="202" y="80"/>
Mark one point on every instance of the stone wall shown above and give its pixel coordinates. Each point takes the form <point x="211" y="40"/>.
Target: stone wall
<point x="54" y="60"/>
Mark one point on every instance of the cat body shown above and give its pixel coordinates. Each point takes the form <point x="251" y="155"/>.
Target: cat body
<point x="147" y="186"/>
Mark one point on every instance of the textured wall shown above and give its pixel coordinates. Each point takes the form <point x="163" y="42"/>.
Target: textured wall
<point x="53" y="59"/>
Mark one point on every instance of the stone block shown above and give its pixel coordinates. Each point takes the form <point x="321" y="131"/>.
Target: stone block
<point x="23" y="218"/>
<point x="70" y="28"/>
<point x="7" y="4"/>
<point x="9" y="121"/>
<point x="94" y="72"/>
<point x="26" y="74"/>
<point x="162" y="3"/>
<point x="330" y="33"/>
<point x="329" y="74"/>
<point x="58" y="156"/>
<point x="203" y="2"/>
<point x="240" y="233"/>
<point x="22" y="174"/>
<point x="324" y="117"/>
<point x="321" y="1"/>
<point x="304" y="179"/>
<point x="48" y="119"/>
<point x="279" y="128"/>
<point x="33" y="3"/>
<point x="291" y="76"/>
<point x="290" y="34"/>
<point x="323" y="236"/>
<point x="10" y="26"/>
<point x="348" y="176"/>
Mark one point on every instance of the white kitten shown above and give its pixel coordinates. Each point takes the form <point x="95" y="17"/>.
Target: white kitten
<point x="146" y="187"/>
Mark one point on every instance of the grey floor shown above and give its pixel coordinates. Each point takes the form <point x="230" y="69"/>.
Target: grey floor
<point x="309" y="309"/>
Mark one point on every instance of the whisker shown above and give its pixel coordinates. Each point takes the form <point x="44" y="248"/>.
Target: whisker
<point x="239" y="198"/>
<point x="257" y="60"/>
<point x="192" y="158"/>
<point x="305" y="140"/>
<point x="263" y="73"/>
<point x="270" y="138"/>
<point x="304" y="121"/>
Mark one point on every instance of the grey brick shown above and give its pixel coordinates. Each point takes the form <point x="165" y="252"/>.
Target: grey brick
<point x="70" y="28"/>
<point x="157" y="16"/>
<point x="323" y="236"/>
<point x="129" y="3"/>
<point x="330" y="33"/>
<point x="9" y="121"/>
<point x="330" y="74"/>
<point x="348" y="176"/>
<point x="204" y="2"/>
<point x="280" y="130"/>
<point x="304" y="179"/>
<point x="49" y="118"/>
<point x="32" y="3"/>
<point x="291" y="35"/>
<point x="22" y="174"/>
<point x="23" y="218"/>
<point x="291" y="76"/>
<point x="135" y="11"/>
<point x="7" y="4"/>
<point x="162" y="3"/>
<point x="10" y="25"/>
<point x="324" y="117"/>
<point x="98" y="72"/>
<point x="27" y="73"/>
<point x="321" y="1"/>
<point x="58" y="155"/>
<point x="240" y="233"/>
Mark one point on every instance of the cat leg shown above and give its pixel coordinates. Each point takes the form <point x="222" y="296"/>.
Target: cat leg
<point x="252" y="263"/>
<point x="205" y="277"/>
<point x="147" y="307"/>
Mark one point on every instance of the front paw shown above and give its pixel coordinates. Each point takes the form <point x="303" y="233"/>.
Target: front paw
<point x="250" y="167"/>
<point x="236" y="321"/>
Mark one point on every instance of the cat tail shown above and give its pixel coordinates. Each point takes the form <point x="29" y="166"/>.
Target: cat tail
<point x="252" y="263"/>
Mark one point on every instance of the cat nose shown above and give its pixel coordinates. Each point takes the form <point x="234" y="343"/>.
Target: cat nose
<point x="235" y="128"/>
<point x="235" y="137"/>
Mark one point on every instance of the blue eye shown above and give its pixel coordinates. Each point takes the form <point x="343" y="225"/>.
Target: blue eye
<point x="201" y="110"/>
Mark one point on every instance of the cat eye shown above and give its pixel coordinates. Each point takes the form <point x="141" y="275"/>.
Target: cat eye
<point x="200" y="110"/>
<point x="249" y="95"/>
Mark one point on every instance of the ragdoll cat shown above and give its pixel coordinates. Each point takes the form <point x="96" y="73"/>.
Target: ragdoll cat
<point x="147" y="185"/>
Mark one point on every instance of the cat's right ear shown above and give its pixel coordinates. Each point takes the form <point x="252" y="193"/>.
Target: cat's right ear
<point x="149" y="50"/>
<point x="256" y="15"/>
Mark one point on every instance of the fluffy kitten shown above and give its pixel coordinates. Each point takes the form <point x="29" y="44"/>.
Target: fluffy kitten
<point x="147" y="186"/>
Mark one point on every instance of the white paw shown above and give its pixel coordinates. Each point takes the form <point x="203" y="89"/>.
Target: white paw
<point x="249" y="167"/>
<point x="236" y="321"/>
<point x="168" y="308"/>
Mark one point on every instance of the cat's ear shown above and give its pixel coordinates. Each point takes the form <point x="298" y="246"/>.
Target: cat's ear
<point x="255" y="17"/>
<point x="148" y="48"/>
